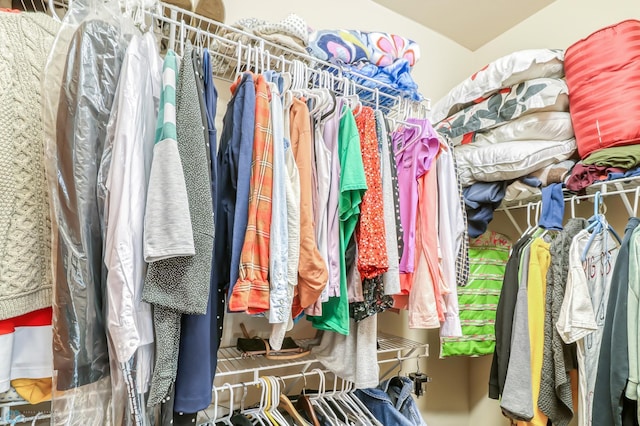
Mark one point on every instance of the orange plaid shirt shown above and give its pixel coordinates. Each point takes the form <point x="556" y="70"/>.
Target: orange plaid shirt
<point x="251" y="292"/>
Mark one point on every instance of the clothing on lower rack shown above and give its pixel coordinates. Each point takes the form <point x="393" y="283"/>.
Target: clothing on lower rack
<point x="391" y="403"/>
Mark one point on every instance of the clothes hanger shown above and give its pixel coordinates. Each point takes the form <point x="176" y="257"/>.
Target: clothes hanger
<point x="329" y="94"/>
<point x="275" y="401"/>
<point x="413" y="138"/>
<point x="354" y="92"/>
<point x="304" y="403"/>
<point x="35" y="419"/>
<point x="239" y="61"/>
<point x="368" y="418"/>
<point x="326" y="409"/>
<point x="354" y="412"/>
<point x="183" y="35"/>
<point x="530" y="226"/>
<point x="266" y="412"/>
<point x="573" y="202"/>
<point x="344" y="397"/>
<point x="635" y="202"/>
<point x="257" y="413"/>
<point x="227" y="419"/>
<point x="330" y="397"/>
<point x="316" y="400"/>
<point x="538" y="214"/>
<point x="599" y="224"/>
<point x="214" y="392"/>
<point x="286" y="404"/>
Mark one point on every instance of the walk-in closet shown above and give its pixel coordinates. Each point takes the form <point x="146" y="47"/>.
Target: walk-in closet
<point x="369" y="212"/>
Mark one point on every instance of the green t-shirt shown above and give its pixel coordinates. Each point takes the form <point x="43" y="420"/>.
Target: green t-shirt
<point x="353" y="184"/>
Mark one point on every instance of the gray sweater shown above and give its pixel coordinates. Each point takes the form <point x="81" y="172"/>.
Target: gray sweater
<point x="558" y="358"/>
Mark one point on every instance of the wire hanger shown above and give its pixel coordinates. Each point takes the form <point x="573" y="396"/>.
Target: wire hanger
<point x="635" y="202"/>
<point x="598" y="224"/>
<point x="574" y="201"/>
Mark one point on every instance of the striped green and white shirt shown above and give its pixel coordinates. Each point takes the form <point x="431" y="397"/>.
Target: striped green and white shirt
<point x="167" y="227"/>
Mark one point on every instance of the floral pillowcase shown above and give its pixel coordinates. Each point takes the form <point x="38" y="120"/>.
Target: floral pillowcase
<point x="540" y="94"/>
<point x="504" y="72"/>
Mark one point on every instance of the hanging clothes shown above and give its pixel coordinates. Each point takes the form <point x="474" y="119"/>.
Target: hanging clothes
<point x="321" y="159"/>
<point x="517" y="396"/>
<point x="415" y="148"/>
<point x="88" y="89"/>
<point x="391" y="278"/>
<point x="251" y="292"/>
<point x="237" y="152"/>
<point x="478" y="301"/>
<point x="124" y="174"/>
<point x="391" y="403"/>
<point x="281" y="293"/>
<point x="556" y="386"/>
<point x="180" y="285"/>
<point x="584" y="307"/>
<point x="613" y="363"/>
<point x="426" y="303"/>
<point x="633" y="314"/>
<point x="504" y="319"/>
<point x="292" y="186"/>
<point x="25" y="224"/>
<point x="370" y="234"/>
<point x="312" y="270"/>
<point x="353" y="184"/>
<point x="199" y="334"/>
<point x="451" y="232"/>
<point x="330" y="136"/>
<point x="372" y="258"/>
<point x="536" y="292"/>
<point x="236" y="144"/>
<point x="26" y="277"/>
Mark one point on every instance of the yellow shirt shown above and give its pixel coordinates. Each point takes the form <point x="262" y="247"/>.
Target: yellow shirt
<point x="539" y="262"/>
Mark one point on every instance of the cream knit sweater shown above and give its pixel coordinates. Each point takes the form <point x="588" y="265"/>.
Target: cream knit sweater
<point x="25" y="226"/>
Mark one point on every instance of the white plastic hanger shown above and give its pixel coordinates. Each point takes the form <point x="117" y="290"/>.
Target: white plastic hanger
<point x="318" y="402"/>
<point x="635" y="202"/>
<point x="257" y="413"/>
<point x="227" y="419"/>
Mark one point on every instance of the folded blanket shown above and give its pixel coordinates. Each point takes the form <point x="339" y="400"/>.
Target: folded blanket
<point x="352" y="46"/>
<point x="397" y="76"/>
<point x="624" y="157"/>
<point x="584" y="175"/>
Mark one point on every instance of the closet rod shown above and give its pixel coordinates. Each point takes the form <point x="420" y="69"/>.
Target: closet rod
<point x="299" y="376"/>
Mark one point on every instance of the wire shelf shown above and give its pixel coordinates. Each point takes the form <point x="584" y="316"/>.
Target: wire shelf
<point x="610" y="187"/>
<point x="231" y="361"/>
<point x="234" y="50"/>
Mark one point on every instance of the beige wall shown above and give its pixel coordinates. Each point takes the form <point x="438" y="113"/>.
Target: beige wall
<point x="558" y="25"/>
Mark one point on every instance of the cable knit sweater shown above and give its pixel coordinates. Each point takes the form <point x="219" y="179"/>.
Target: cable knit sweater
<point x="25" y="227"/>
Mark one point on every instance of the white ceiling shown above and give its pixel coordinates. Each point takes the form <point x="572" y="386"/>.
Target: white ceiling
<point x="471" y="23"/>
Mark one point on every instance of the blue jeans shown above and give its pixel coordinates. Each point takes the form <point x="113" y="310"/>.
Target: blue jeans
<point x="391" y="402"/>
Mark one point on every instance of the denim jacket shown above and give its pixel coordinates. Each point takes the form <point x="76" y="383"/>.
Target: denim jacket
<point x="391" y="402"/>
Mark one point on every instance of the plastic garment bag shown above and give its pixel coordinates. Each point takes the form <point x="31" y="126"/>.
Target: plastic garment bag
<point x="79" y="84"/>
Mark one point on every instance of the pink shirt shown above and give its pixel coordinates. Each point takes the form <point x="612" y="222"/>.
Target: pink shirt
<point x="414" y="149"/>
